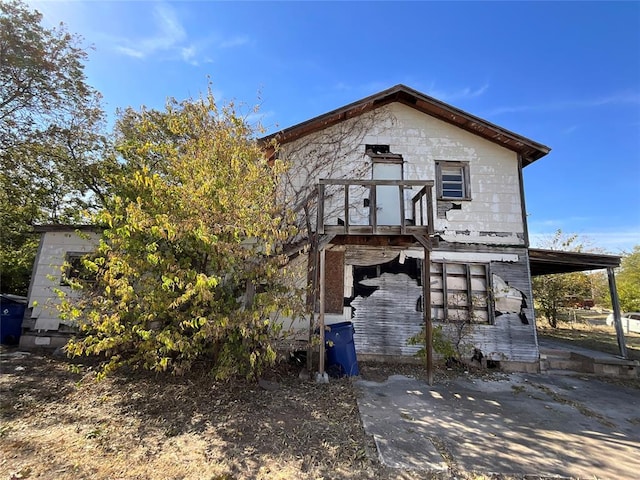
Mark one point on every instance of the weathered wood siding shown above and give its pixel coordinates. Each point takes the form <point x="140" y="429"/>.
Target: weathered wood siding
<point x="387" y="318"/>
<point x="386" y="300"/>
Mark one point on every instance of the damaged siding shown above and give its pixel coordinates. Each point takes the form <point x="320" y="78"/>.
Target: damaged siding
<point x="386" y="303"/>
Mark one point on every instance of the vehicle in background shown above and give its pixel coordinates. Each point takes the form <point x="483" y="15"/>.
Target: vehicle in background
<point x="630" y="321"/>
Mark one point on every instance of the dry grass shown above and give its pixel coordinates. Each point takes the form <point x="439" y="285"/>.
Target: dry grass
<point x="588" y="329"/>
<point x="59" y="423"/>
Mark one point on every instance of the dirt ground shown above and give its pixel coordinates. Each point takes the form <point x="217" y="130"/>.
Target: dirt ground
<point x="58" y="422"/>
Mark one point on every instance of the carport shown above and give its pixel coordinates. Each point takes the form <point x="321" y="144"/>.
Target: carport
<point x="549" y="262"/>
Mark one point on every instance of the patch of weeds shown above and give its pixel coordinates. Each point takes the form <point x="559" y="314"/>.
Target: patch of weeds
<point x="172" y="432"/>
<point x="517" y="389"/>
<point x="578" y="406"/>
<point x="22" y="473"/>
<point x="95" y="433"/>
<point x="77" y="369"/>
<point x="4" y="429"/>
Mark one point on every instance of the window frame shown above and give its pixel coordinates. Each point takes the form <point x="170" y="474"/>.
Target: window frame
<point x="72" y="271"/>
<point x="466" y="183"/>
<point x="439" y="270"/>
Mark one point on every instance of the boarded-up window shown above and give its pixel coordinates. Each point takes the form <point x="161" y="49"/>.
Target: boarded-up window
<point x="459" y="291"/>
<point x="334" y="281"/>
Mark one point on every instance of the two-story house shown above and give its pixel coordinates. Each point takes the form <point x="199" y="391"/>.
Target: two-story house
<point x="413" y="202"/>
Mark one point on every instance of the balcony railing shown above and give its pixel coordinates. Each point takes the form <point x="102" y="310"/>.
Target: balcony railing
<point x="375" y="207"/>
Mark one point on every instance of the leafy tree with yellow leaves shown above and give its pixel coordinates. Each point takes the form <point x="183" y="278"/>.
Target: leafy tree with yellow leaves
<point x="190" y="266"/>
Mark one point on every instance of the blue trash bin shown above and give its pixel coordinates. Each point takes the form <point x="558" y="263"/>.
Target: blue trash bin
<point x="12" y="309"/>
<point x="341" y="351"/>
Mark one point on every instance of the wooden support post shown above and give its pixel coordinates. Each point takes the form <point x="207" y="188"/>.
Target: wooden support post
<point x="617" y="321"/>
<point x="322" y="307"/>
<point x="346" y="209"/>
<point x="402" y="219"/>
<point x="426" y="311"/>
<point x="429" y="196"/>
<point x="373" y="209"/>
<point x="320" y="219"/>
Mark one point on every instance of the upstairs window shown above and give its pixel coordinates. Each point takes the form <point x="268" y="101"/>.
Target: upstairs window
<point x="453" y="180"/>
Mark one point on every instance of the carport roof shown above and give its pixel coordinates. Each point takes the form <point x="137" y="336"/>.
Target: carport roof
<point x="545" y="262"/>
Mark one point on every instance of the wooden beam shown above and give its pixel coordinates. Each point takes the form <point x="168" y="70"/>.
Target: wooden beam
<point x="426" y="311"/>
<point x="320" y="219"/>
<point x="356" y="181"/>
<point x="346" y="209"/>
<point x="373" y="209"/>
<point x="322" y="307"/>
<point x="402" y="219"/>
<point x="617" y="321"/>
<point x="445" y="293"/>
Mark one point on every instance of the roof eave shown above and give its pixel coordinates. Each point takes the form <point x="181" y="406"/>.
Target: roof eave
<point x="529" y="150"/>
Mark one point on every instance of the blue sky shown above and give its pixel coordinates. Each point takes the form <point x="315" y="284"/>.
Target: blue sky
<point x="563" y="74"/>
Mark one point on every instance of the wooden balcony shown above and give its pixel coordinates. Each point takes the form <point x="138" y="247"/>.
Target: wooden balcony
<point x="375" y="207"/>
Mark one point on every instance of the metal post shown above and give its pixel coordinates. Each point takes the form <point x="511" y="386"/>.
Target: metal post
<point x="617" y="321"/>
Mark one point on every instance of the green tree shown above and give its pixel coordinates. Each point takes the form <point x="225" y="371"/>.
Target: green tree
<point x="628" y="281"/>
<point x="190" y="267"/>
<point x="52" y="154"/>
<point x="551" y="292"/>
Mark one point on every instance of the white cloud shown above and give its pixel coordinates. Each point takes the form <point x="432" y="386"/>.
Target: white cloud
<point x="615" y="241"/>
<point x="237" y="41"/>
<point x="625" y="98"/>
<point x="463" y="93"/>
<point x="170" y="38"/>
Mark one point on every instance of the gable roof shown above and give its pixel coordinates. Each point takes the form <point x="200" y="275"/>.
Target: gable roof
<point x="528" y="149"/>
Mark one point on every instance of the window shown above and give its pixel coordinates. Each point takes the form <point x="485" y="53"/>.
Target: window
<point x="453" y="180"/>
<point x="74" y="269"/>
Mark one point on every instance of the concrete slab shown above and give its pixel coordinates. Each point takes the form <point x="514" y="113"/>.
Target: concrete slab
<point x="519" y="424"/>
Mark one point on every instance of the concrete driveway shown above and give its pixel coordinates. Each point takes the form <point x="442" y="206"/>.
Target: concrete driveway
<point x="521" y="424"/>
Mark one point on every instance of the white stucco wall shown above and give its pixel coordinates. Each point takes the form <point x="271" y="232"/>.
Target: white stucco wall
<point x="495" y="205"/>
<point x="48" y="272"/>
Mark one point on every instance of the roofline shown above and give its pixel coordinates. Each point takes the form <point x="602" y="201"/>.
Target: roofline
<point x="61" y="227"/>
<point x="544" y="262"/>
<point x="529" y="149"/>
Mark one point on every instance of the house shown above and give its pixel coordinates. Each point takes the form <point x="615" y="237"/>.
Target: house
<point x="404" y="202"/>
<point x="403" y="187"/>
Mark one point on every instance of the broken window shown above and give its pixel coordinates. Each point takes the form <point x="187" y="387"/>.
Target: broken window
<point x="459" y="292"/>
<point x="453" y="180"/>
<point x="74" y="269"/>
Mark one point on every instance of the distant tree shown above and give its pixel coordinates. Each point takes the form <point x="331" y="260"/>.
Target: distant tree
<point x="600" y="288"/>
<point x="52" y="154"/>
<point x="628" y="281"/>
<point x="551" y="292"/>
<point x="190" y="267"/>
